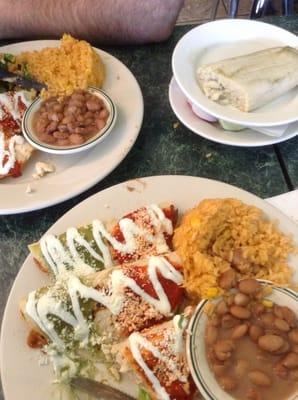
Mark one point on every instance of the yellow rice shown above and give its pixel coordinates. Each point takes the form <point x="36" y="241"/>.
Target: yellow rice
<point x="210" y="233"/>
<point x="73" y="65"/>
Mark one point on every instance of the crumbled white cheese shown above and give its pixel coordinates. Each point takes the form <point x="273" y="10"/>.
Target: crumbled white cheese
<point x="23" y="150"/>
<point x="42" y="169"/>
<point x="43" y="360"/>
<point x="29" y="189"/>
<point x="115" y="373"/>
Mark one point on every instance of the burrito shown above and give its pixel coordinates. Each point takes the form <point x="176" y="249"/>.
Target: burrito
<point x="250" y="81"/>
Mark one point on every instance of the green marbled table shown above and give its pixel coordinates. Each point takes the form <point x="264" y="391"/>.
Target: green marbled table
<point x="161" y="148"/>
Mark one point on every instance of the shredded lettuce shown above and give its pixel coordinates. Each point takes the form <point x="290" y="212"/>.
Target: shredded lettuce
<point x="180" y="322"/>
<point x="143" y="394"/>
<point x="9" y="58"/>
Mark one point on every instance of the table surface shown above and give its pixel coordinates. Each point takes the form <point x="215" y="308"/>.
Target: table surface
<point x="163" y="147"/>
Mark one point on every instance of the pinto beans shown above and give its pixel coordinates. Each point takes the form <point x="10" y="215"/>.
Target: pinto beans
<point x="293" y="335"/>
<point x="281" y="324"/>
<point x="259" y="378"/>
<point x="281" y="371"/>
<point x="78" y="117"/>
<point x="222" y="308"/>
<point x="253" y="394"/>
<point x="228" y="321"/>
<point x="240" y="312"/>
<point x="267" y="320"/>
<point x="289" y="316"/>
<point x="252" y="344"/>
<point x="227" y="383"/>
<point x="211" y="334"/>
<point x="293" y="375"/>
<point x="241" y="299"/>
<point x="270" y="343"/>
<point x="239" y="331"/>
<point x="227" y="279"/>
<point x="249" y="286"/>
<point x="290" y="361"/>
<point x="255" y="332"/>
<point x="223" y="349"/>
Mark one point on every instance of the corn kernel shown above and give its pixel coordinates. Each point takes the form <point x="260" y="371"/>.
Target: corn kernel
<point x="267" y="303"/>
<point x="212" y="292"/>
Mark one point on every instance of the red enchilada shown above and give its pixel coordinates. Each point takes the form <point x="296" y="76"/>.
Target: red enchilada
<point x="157" y="356"/>
<point x="14" y="150"/>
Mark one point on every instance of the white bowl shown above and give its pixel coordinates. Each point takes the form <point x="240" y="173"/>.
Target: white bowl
<point x="30" y="135"/>
<point x="195" y="344"/>
<point x="222" y="39"/>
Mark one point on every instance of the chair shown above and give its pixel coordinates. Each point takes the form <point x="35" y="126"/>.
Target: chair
<point x="261" y="8"/>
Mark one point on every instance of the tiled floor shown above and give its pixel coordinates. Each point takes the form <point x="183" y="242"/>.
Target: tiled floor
<point x="195" y="11"/>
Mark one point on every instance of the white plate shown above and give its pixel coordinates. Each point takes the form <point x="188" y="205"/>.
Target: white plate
<point x="213" y="131"/>
<point x="222" y="39"/>
<point x="78" y="172"/>
<point x="21" y="375"/>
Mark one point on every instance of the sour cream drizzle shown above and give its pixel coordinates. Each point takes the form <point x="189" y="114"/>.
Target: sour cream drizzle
<point x="59" y="256"/>
<point x="137" y="341"/>
<point x="8" y="155"/>
<point x="40" y="308"/>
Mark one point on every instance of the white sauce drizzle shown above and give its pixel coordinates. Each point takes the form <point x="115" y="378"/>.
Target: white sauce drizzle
<point x="137" y="341"/>
<point x="8" y="154"/>
<point x="161" y="304"/>
<point x="39" y="309"/>
<point x="58" y="257"/>
<point x="180" y="323"/>
<point x="130" y="230"/>
<point x="55" y="254"/>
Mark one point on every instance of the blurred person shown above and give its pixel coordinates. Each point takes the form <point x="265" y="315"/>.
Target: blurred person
<point x="101" y="21"/>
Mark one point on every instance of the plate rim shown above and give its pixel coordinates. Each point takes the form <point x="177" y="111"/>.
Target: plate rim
<point x="220" y="113"/>
<point x="62" y="197"/>
<point x="171" y="90"/>
<point x="141" y="182"/>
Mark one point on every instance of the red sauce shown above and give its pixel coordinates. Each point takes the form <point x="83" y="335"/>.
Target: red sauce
<point x="140" y="275"/>
<point x="177" y="390"/>
<point x="170" y="213"/>
<point x="9" y="126"/>
<point x="36" y="340"/>
<point x="16" y="170"/>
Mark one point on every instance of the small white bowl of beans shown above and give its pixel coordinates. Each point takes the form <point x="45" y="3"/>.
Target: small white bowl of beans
<point x="244" y="345"/>
<point x="71" y="124"/>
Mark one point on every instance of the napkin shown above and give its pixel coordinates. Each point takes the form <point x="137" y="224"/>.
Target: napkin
<point x="287" y="203"/>
<point x="274" y="131"/>
<point x="277" y="131"/>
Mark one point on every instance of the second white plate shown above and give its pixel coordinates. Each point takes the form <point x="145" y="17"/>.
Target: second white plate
<point x="213" y="131"/>
<point x="78" y="172"/>
<point x="217" y="40"/>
